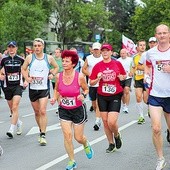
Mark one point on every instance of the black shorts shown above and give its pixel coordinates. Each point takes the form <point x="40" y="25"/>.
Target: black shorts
<point x="12" y="91"/>
<point x="110" y="103"/>
<point x="126" y="82"/>
<point x="139" y="84"/>
<point x="93" y="93"/>
<point x="38" y="94"/>
<point x="77" y="115"/>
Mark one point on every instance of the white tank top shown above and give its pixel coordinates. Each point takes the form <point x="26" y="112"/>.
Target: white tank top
<point x="92" y="61"/>
<point x="39" y="71"/>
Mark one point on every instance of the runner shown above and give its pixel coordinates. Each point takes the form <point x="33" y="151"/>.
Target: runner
<point x="138" y="78"/>
<point x="108" y="74"/>
<point x="157" y="65"/>
<point x="126" y="84"/>
<point x="12" y="85"/>
<point x="38" y="79"/>
<point x="72" y="111"/>
<point x="90" y="62"/>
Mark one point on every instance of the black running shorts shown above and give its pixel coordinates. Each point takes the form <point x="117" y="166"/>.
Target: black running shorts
<point x="77" y="115"/>
<point x="12" y="91"/>
<point x="38" y="94"/>
<point x="109" y="103"/>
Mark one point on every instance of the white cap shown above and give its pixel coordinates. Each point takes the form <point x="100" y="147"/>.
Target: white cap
<point x="96" y="45"/>
<point x="152" y="39"/>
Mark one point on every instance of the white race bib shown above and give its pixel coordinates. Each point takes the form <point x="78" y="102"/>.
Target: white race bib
<point x="68" y="101"/>
<point x="108" y="88"/>
<point x="139" y="72"/>
<point x="13" y="76"/>
<point x="37" y="80"/>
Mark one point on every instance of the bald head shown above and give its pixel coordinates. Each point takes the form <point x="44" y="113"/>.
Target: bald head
<point x="162" y="26"/>
<point x="123" y="53"/>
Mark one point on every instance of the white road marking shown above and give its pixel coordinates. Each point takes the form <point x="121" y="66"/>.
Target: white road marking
<point x="61" y="158"/>
<point x="35" y="130"/>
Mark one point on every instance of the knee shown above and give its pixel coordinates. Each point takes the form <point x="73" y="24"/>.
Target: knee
<point x="79" y="138"/>
<point x="156" y="130"/>
<point x="43" y="112"/>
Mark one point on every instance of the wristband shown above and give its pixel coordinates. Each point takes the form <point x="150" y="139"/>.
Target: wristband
<point x="84" y="95"/>
<point x="52" y="74"/>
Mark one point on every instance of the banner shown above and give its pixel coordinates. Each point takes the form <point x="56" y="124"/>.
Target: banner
<point x="129" y="45"/>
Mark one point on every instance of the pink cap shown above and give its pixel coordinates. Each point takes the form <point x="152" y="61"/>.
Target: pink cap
<point x="107" y="46"/>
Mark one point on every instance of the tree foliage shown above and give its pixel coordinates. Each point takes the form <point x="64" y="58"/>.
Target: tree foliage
<point x="148" y="16"/>
<point x="122" y="11"/>
<point x="76" y="19"/>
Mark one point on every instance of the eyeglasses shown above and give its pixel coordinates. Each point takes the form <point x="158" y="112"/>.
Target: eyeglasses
<point x="37" y="45"/>
<point x="162" y="33"/>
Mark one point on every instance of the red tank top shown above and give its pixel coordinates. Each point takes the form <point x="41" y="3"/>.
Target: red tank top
<point x="69" y="92"/>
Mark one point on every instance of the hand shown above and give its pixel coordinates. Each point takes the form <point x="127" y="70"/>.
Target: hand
<point x="80" y="97"/>
<point x="25" y="84"/>
<point x="52" y="101"/>
<point x="121" y="77"/>
<point x="99" y="76"/>
<point x="50" y="76"/>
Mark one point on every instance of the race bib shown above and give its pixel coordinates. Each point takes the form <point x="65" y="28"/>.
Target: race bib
<point x="139" y="72"/>
<point x="13" y="76"/>
<point x="68" y="101"/>
<point x="160" y="64"/>
<point x="37" y="80"/>
<point x="108" y="88"/>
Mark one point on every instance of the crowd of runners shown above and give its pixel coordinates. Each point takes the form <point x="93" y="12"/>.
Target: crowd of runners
<point x="105" y="79"/>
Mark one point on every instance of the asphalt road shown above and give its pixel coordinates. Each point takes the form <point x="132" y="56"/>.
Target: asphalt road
<point x="24" y="153"/>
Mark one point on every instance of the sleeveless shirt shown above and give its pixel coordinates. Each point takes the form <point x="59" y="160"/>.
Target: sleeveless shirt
<point x="69" y="92"/>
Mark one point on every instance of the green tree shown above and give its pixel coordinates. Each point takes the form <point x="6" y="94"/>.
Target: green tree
<point x="22" y="21"/>
<point x="122" y="11"/>
<point x="148" y="16"/>
<point x="76" y="19"/>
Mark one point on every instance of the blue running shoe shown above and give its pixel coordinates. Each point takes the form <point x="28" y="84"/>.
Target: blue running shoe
<point x="71" y="165"/>
<point x="89" y="151"/>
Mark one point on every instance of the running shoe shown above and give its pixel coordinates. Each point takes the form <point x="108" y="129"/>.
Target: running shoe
<point x="1" y="151"/>
<point x="71" y="165"/>
<point x="118" y="141"/>
<point x="125" y="110"/>
<point x="89" y="151"/>
<point x="111" y="148"/>
<point x="10" y="134"/>
<point x="97" y="126"/>
<point x="168" y="136"/>
<point x="19" y="128"/>
<point x="43" y="141"/>
<point x="160" y="164"/>
<point x="141" y="120"/>
<point x="91" y="109"/>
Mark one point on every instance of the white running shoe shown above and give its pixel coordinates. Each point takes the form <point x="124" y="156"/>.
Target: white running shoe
<point x="19" y="128"/>
<point x="10" y="134"/>
<point x="1" y="151"/>
<point x="160" y="164"/>
<point x="125" y="109"/>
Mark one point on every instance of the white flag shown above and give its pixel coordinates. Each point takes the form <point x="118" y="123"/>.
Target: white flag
<point x="129" y="45"/>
